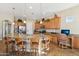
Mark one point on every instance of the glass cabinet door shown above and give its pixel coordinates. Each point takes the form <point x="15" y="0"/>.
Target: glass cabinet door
<point x="6" y="28"/>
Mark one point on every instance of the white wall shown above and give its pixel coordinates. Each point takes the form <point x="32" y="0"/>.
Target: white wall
<point x="30" y="27"/>
<point x="38" y="10"/>
<point x="72" y="25"/>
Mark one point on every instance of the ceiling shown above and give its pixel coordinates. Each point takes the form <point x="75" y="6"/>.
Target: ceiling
<point x="33" y="10"/>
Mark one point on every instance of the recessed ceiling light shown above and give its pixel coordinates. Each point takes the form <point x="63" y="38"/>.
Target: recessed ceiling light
<point x="41" y="22"/>
<point x="13" y="23"/>
<point x="30" y="7"/>
<point x="24" y="21"/>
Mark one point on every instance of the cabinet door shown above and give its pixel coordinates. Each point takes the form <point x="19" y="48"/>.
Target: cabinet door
<point x="47" y="25"/>
<point x="57" y="23"/>
<point x="54" y="39"/>
<point x="52" y="24"/>
<point x="37" y="26"/>
<point x="76" y="42"/>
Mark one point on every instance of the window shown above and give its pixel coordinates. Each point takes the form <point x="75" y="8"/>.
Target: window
<point x="70" y="19"/>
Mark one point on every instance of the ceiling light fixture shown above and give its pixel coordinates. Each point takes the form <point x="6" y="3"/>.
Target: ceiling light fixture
<point x="24" y="21"/>
<point x="30" y="7"/>
<point x="13" y="23"/>
<point x="41" y="22"/>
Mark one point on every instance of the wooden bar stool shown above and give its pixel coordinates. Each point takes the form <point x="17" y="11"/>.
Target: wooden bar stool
<point x="63" y="41"/>
<point x="34" y="45"/>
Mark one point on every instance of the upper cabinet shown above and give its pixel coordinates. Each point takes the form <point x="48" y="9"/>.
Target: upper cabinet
<point x="53" y="23"/>
<point x="57" y="22"/>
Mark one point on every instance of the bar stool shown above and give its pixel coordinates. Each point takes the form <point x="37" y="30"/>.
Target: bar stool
<point x="7" y="42"/>
<point x="63" y="41"/>
<point x="20" y="46"/>
<point x="34" y="46"/>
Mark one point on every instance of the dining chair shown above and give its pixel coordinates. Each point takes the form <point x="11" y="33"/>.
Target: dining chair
<point x="34" y="45"/>
<point x="63" y="41"/>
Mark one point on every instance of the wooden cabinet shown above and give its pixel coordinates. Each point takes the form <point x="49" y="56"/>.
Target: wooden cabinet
<point x="53" y="23"/>
<point x="37" y="26"/>
<point x="76" y="42"/>
<point x="47" y="25"/>
<point x="2" y="47"/>
<point x="54" y="39"/>
<point x="57" y="23"/>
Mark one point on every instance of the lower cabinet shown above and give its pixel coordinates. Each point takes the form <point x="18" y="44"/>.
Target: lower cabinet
<point x="76" y="42"/>
<point x="54" y="40"/>
<point x="2" y="47"/>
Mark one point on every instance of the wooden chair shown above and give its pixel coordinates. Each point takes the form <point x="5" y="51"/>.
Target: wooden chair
<point x="34" y="45"/>
<point x="63" y="40"/>
<point x="46" y="43"/>
<point x="8" y="41"/>
<point x="20" y="46"/>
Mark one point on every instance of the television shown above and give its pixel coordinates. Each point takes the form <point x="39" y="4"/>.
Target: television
<point x="65" y="31"/>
